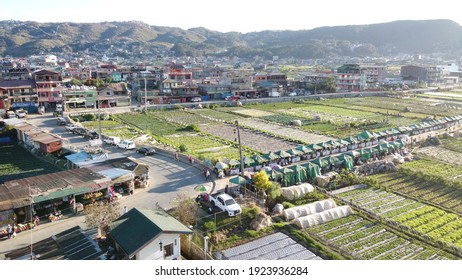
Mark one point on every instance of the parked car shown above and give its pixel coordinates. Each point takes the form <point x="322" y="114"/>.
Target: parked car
<point x="79" y="131"/>
<point x="146" y="150"/>
<point x="126" y="144"/>
<point x="71" y="127"/>
<point x="10" y="115"/>
<point x="91" y="134"/>
<point x="61" y="121"/>
<point x="112" y="140"/>
<point x="233" y="98"/>
<point x="196" y="99"/>
<point x="21" y="113"/>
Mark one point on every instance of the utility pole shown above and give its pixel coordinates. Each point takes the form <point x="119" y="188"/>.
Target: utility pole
<point x="99" y="120"/>
<point x="240" y="149"/>
<point x="145" y="96"/>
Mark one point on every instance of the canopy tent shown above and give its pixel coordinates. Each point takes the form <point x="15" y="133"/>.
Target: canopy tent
<point x="331" y="160"/>
<point x="301" y="174"/>
<point x="304" y="149"/>
<point x="248" y="161"/>
<point x="221" y="165"/>
<point x="259" y="159"/>
<point x="366" y="153"/>
<point x="274" y="175"/>
<point x="233" y="163"/>
<point x="238" y="180"/>
<point x="320" y="162"/>
<point x="400" y="143"/>
<point x="288" y="177"/>
<point x="295" y="152"/>
<point x="271" y="156"/>
<point x="366" y="135"/>
<point x="351" y="140"/>
<point x="314" y="147"/>
<point x="283" y="154"/>
<point x="346" y="160"/>
<point x="312" y="169"/>
<point x="353" y="153"/>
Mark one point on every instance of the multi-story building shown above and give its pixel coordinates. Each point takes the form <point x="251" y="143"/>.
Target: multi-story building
<point x="422" y="73"/>
<point x="80" y="97"/>
<point x="271" y="80"/>
<point x="356" y="77"/>
<point x="18" y="94"/>
<point x="49" y="89"/>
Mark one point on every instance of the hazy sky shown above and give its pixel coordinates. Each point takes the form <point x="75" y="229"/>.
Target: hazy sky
<point x="235" y="15"/>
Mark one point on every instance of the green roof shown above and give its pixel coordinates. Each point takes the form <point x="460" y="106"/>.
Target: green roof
<point x="136" y="228"/>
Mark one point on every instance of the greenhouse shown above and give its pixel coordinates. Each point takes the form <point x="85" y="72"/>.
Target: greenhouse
<point x="323" y="217"/>
<point x="298" y="191"/>
<point x="308" y="209"/>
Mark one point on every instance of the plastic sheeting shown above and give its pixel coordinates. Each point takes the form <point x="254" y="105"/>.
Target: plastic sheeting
<point x="298" y="191"/>
<point x="308" y="209"/>
<point x="323" y="217"/>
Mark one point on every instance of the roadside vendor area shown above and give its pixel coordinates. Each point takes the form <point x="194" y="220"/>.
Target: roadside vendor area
<point x="28" y="202"/>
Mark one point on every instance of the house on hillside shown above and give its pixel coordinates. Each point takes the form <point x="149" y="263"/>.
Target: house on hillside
<point x="142" y="234"/>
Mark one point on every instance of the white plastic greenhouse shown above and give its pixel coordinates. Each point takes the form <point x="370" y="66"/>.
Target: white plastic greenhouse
<point x="297" y="191"/>
<point x="308" y="209"/>
<point x="324" y="216"/>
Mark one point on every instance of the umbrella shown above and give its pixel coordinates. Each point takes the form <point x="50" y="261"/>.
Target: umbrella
<point x="201" y="188"/>
<point x="238" y="180"/>
<point x="221" y="165"/>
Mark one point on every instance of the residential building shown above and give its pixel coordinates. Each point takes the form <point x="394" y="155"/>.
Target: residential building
<point x="142" y="234"/>
<point x="80" y="97"/>
<point x="18" y="94"/>
<point x="350" y="77"/>
<point x="49" y="89"/>
<point x="113" y="95"/>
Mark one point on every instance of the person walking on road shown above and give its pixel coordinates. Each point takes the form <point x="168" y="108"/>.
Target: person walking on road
<point x="177" y="156"/>
<point x="125" y="209"/>
<point x="9" y="231"/>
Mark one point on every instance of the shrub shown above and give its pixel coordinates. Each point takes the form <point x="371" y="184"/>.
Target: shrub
<point x="210" y="225"/>
<point x="251" y="233"/>
<point x="88" y="117"/>
<point x="287" y="204"/>
<point x="183" y="148"/>
<point x="251" y="212"/>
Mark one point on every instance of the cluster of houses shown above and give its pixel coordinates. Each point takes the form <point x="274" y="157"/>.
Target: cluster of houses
<point x="23" y="86"/>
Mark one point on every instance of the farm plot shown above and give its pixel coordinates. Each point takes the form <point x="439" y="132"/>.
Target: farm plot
<point x="112" y="128"/>
<point x="217" y="115"/>
<point x="286" y="132"/>
<point x="452" y="143"/>
<point x="201" y="146"/>
<point x="18" y="163"/>
<point x="429" y="221"/>
<point x="151" y="123"/>
<point x="180" y="117"/>
<point x="254" y="113"/>
<point x="249" y="138"/>
<point x="364" y="239"/>
<point x="441" y="153"/>
<point x="433" y="168"/>
<point x="447" y="197"/>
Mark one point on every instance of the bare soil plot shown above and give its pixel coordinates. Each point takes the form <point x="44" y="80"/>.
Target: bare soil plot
<point x="254" y="140"/>
<point x="286" y="132"/>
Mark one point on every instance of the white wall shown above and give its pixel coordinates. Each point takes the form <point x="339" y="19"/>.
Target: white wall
<point x="152" y="251"/>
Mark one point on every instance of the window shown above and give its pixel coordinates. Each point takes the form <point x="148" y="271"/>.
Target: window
<point x="168" y="250"/>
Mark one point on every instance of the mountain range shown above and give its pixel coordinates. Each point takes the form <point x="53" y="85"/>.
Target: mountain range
<point x="443" y="37"/>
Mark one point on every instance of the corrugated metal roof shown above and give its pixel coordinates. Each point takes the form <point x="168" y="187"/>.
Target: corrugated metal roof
<point x="277" y="246"/>
<point x="17" y="191"/>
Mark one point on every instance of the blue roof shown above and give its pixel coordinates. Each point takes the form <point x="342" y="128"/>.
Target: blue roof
<point x="78" y="157"/>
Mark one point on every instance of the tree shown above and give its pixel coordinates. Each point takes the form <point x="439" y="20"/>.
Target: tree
<point x="329" y="84"/>
<point x="100" y="215"/>
<point x="185" y="209"/>
<point x="261" y="181"/>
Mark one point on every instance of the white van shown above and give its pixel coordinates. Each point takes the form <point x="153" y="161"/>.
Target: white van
<point x="126" y="144"/>
<point x="112" y="140"/>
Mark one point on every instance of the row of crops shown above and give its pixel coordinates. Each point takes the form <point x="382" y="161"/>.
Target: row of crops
<point x="431" y="222"/>
<point x="364" y="239"/>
